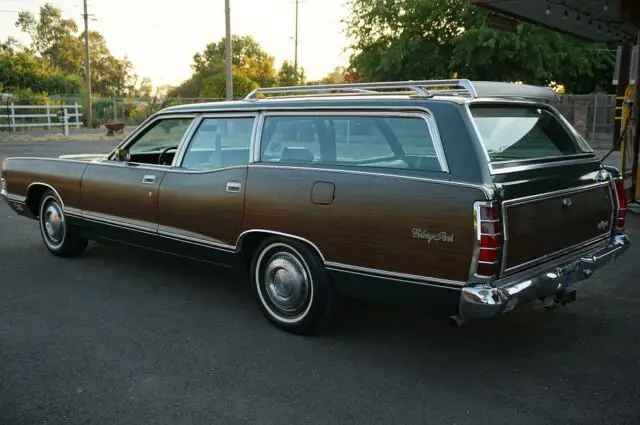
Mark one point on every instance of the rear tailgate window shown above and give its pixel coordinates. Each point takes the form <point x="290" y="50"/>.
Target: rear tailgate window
<point x="524" y="132"/>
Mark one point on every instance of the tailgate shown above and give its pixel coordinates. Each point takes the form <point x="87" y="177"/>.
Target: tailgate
<point x="553" y="197"/>
<point x="543" y="226"/>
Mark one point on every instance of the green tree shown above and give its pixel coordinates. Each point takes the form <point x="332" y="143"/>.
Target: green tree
<point x="248" y="61"/>
<point x="50" y="34"/>
<point x="287" y="75"/>
<point x="425" y="39"/>
<point x="215" y="86"/>
<point x="21" y="70"/>
<point x="55" y="42"/>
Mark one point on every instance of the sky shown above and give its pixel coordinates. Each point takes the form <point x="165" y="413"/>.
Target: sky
<point x="160" y="37"/>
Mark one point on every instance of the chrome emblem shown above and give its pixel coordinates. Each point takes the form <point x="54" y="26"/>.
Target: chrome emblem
<point x="603" y="225"/>
<point x="430" y="237"/>
<point x="567" y="202"/>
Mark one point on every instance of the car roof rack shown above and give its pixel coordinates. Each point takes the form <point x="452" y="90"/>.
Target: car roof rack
<point x="422" y="88"/>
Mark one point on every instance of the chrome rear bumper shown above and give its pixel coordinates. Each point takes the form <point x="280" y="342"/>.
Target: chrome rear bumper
<point x="557" y="277"/>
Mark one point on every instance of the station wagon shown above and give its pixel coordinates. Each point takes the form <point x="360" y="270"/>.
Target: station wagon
<point x="467" y="198"/>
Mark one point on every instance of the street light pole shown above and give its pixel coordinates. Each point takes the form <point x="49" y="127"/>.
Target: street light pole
<point x="87" y="67"/>
<point x="229" y="78"/>
<point x="295" y="60"/>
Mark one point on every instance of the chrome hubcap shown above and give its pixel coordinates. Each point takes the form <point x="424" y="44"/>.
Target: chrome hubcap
<point x="286" y="282"/>
<point x="53" y="221"/>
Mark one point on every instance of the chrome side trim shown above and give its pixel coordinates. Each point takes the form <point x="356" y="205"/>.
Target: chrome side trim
<point x="394" y="275"/>
<point x="73" y="212"/>
<point x="538" y="197"/>
<point x="126" y="223"/>
<point x="426" y="115"/>
<point x="179" y="235"/>
<point x="184" y="236"/>
<point x="487" y="191"/>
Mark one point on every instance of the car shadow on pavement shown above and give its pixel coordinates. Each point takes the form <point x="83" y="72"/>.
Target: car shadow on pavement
<point x="408" y="330"/>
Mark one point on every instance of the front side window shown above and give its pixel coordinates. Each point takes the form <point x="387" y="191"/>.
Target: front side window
<point x="522" y="132"/>
<point x="400" y="142"/>
<point x="219" y="143"/>
<point x="160" y="142"/>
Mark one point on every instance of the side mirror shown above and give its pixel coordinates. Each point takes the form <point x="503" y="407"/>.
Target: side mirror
<point x="121" y="155"/>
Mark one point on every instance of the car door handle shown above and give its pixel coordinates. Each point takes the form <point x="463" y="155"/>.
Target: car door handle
<point x="149" y="179"/>
<point x="234" y="187"/>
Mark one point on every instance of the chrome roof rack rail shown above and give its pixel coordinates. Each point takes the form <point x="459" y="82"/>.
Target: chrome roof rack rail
<point x="422" y="88"/>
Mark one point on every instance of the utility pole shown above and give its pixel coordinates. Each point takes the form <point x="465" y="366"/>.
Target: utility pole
<point x="229" y="78"/>
<point x="295" y="60"/>
<point x="87" y="66"/>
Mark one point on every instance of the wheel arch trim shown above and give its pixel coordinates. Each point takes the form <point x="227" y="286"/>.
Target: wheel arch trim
<point x="46" y="186"/>
<point x="242" y="236"/>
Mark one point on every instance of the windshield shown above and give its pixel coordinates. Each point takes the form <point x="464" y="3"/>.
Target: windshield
<point x="522" y="132"/>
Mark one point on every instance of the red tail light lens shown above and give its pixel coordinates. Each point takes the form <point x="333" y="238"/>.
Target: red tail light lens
<point x="621" y="195"/>
<point x="489" y="230"/>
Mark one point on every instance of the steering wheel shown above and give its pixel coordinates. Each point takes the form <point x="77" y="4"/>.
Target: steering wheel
<point x="164" y="152"/>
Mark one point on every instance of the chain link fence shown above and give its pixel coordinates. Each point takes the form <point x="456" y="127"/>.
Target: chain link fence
<point x="133" y="111"/>
<point x="592" y="115"/>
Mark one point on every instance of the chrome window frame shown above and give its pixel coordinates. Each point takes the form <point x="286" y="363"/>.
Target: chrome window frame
<point x="134" y="137"/>
<point x="191" y="133"/>
<point x="424" y="114"/>
<point x="526" y="164"/>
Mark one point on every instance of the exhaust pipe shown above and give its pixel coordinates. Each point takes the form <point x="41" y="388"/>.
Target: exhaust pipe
<point x="566" y="297"/>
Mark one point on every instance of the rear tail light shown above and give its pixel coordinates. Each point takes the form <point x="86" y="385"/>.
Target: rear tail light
<point x="488" y="228"/>
<point x="621" y="211"/>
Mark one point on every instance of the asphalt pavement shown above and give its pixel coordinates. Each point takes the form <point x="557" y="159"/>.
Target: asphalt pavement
<point x="126" y="336"/>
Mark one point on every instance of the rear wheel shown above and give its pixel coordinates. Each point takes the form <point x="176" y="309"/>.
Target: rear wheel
<point x="58" y="237"/>
<point x="293" y="289"/>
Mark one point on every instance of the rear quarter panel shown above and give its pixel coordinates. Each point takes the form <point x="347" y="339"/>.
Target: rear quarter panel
<point x="63" y="175"/>
<point x="372" y="220"/>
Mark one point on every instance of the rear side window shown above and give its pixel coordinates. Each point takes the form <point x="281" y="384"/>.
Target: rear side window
<point x="523" y="132"/>
<point x="399" y="142"/>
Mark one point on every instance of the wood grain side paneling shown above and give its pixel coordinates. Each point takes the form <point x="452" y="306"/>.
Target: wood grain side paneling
<point x="371" y="221"/>
<point x="539" y="228"/>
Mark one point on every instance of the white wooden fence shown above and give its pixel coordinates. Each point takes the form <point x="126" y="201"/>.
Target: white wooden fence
<point x="52" y="116"/>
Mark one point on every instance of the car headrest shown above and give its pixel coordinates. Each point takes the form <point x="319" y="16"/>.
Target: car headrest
<point x="297" y="154"/>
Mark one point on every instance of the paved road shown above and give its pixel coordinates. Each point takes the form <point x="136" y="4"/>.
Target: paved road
<point x="132" y="337"/>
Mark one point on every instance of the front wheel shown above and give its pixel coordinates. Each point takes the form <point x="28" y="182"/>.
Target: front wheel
<point x="293" y="289"/>
<point x="58" y="237"/>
